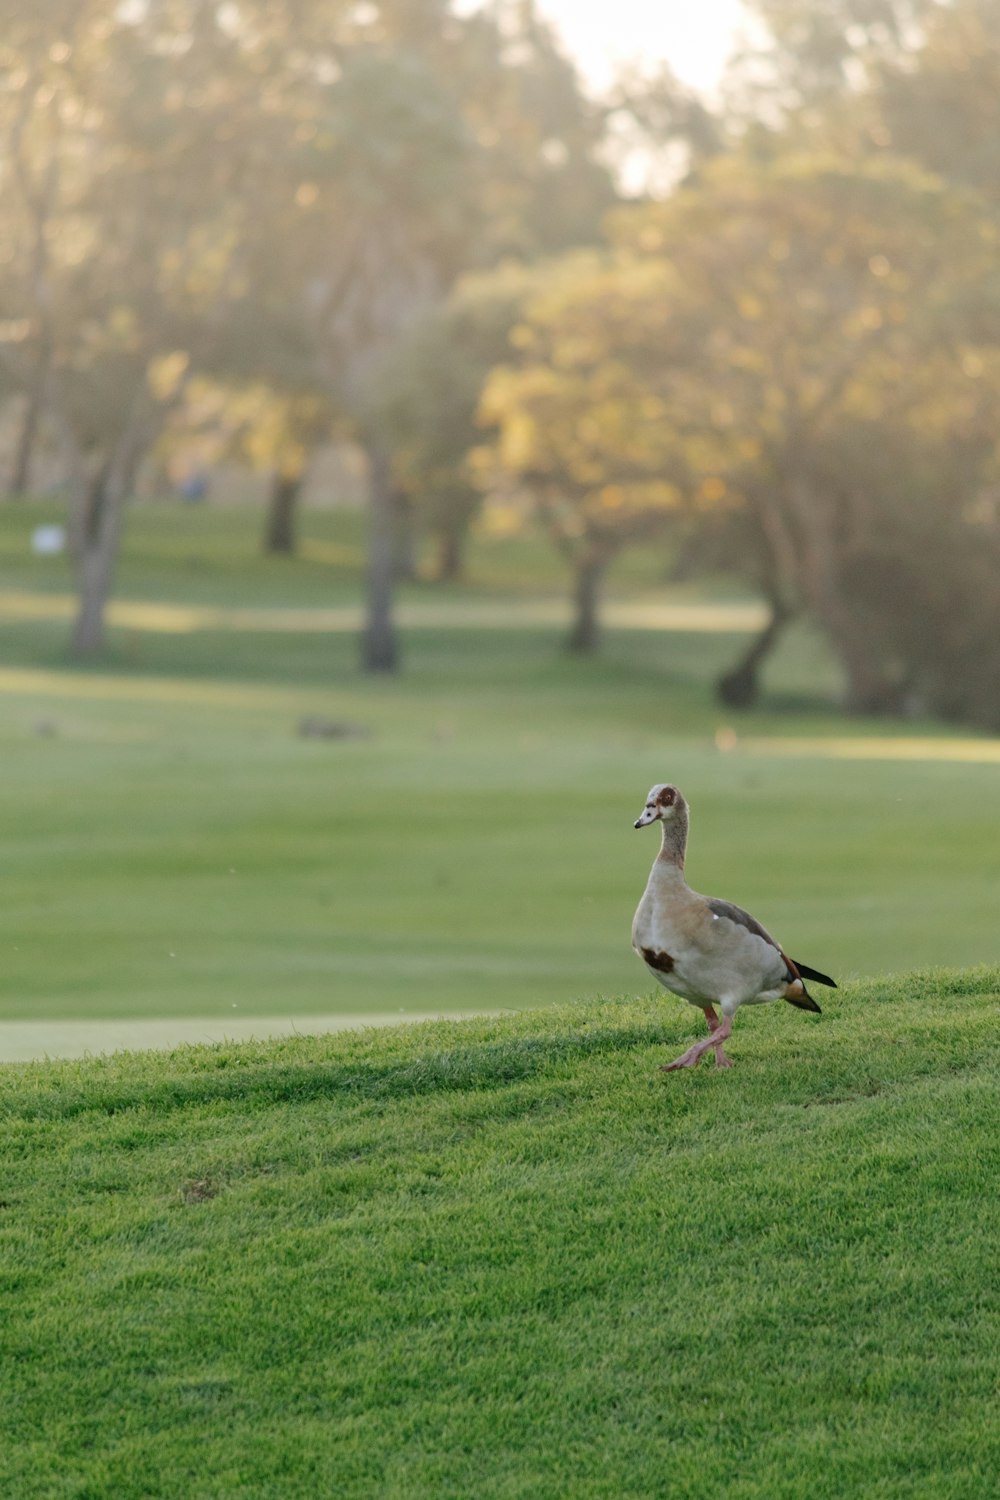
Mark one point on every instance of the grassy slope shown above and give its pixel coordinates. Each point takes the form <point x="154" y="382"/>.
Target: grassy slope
<point x="511" y="1259"/>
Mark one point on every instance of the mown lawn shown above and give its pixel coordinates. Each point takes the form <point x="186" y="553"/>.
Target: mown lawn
<point x="172" y="846"/>
<point x="511" y="1259"/>
<point x="212" y="554"/>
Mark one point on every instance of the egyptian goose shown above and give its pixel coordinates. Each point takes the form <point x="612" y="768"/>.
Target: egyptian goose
<point x="707" y="951"/>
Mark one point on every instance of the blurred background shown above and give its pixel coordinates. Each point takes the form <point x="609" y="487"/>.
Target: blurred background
<point x="426" y="424"/>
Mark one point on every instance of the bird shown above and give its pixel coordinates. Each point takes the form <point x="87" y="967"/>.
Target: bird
<point x="708" y="951"/>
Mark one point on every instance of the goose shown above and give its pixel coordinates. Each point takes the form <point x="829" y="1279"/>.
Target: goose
<point x="708" y="951"/>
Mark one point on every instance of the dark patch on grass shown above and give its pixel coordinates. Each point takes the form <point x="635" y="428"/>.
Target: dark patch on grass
<point x="199" y="1190"/>
<point x="99" y="1188"/>
<point x="852" y="1098"/>
<point x="207" y="1392"/>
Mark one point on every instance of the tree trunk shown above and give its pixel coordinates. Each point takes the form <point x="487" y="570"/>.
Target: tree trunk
<point x="590" y="570"/>
<point x="25" y="447"/>
<point x="740" y="687"/>
<point x="378" y="644"/>
<point x="404" y="538"/>
<point x="279" y="532"/>
<point x="95" y="575"/>
<point x="98" y="554"/>
<point x="451" y="554"/>
<point x="97" y="517"/>
<point x="870" y="689"/>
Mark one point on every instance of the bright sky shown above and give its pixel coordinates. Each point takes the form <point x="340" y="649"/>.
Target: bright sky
<point x="694" y="36"/>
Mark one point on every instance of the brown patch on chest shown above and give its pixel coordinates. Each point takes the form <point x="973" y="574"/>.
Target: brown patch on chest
<point x="658" y="960"/>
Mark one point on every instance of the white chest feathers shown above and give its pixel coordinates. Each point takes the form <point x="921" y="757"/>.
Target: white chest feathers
<point x="707" y="956"/>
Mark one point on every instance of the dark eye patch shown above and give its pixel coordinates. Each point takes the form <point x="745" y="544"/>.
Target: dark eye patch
<point x="666" y="797"/>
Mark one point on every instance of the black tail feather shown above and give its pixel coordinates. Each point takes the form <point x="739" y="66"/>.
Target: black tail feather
<point x="808" y="973"/>
<point x="804" y="1001"/>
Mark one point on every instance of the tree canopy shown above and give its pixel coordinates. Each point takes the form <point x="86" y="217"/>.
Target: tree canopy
<point x="402" y="219"/>
<point x="263" y="192"/>
<point x="755" y="346"/>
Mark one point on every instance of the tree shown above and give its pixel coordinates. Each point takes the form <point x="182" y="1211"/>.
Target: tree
<point x="272" y="432"/>
<point x="127" y="134"/>
<point x="400" y="154"/>
<point x="436" y="143"/>
<point x="475" y="141"/>
<point x="269" y="192"/>
<point x="428" y="403"/>
<point x="938" y="105"/>
<point x="808" y="56"/>
<point x="581" y="425"/>
<point x="825" y="303"/>
<point x="736" y="358"/>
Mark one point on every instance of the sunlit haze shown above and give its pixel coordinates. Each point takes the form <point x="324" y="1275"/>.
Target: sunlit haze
<point x="694" y="39"/>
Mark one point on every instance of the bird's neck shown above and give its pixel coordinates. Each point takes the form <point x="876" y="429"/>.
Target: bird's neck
<point x="673" y="844"/>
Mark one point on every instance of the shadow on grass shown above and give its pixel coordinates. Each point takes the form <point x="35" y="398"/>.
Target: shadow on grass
<point x="492" y="1065"/>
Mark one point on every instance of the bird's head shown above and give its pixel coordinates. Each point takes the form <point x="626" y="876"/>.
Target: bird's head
<point x="662" y="805"/>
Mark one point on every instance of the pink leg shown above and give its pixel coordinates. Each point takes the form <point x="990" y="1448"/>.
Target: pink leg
<point x="721" y="1060"/>
<point x="717" y="1035"/>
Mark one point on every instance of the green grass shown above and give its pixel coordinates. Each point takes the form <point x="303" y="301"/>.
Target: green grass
<point x="166" y="857"/>
<point x="511" y="1259"/>
<point x="210" y="554"/>
<point x="504" y="1258"/>
<point x="172" y="847"/>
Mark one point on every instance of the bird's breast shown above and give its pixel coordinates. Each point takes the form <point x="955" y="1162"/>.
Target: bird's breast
<point x="699" y="956"/>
